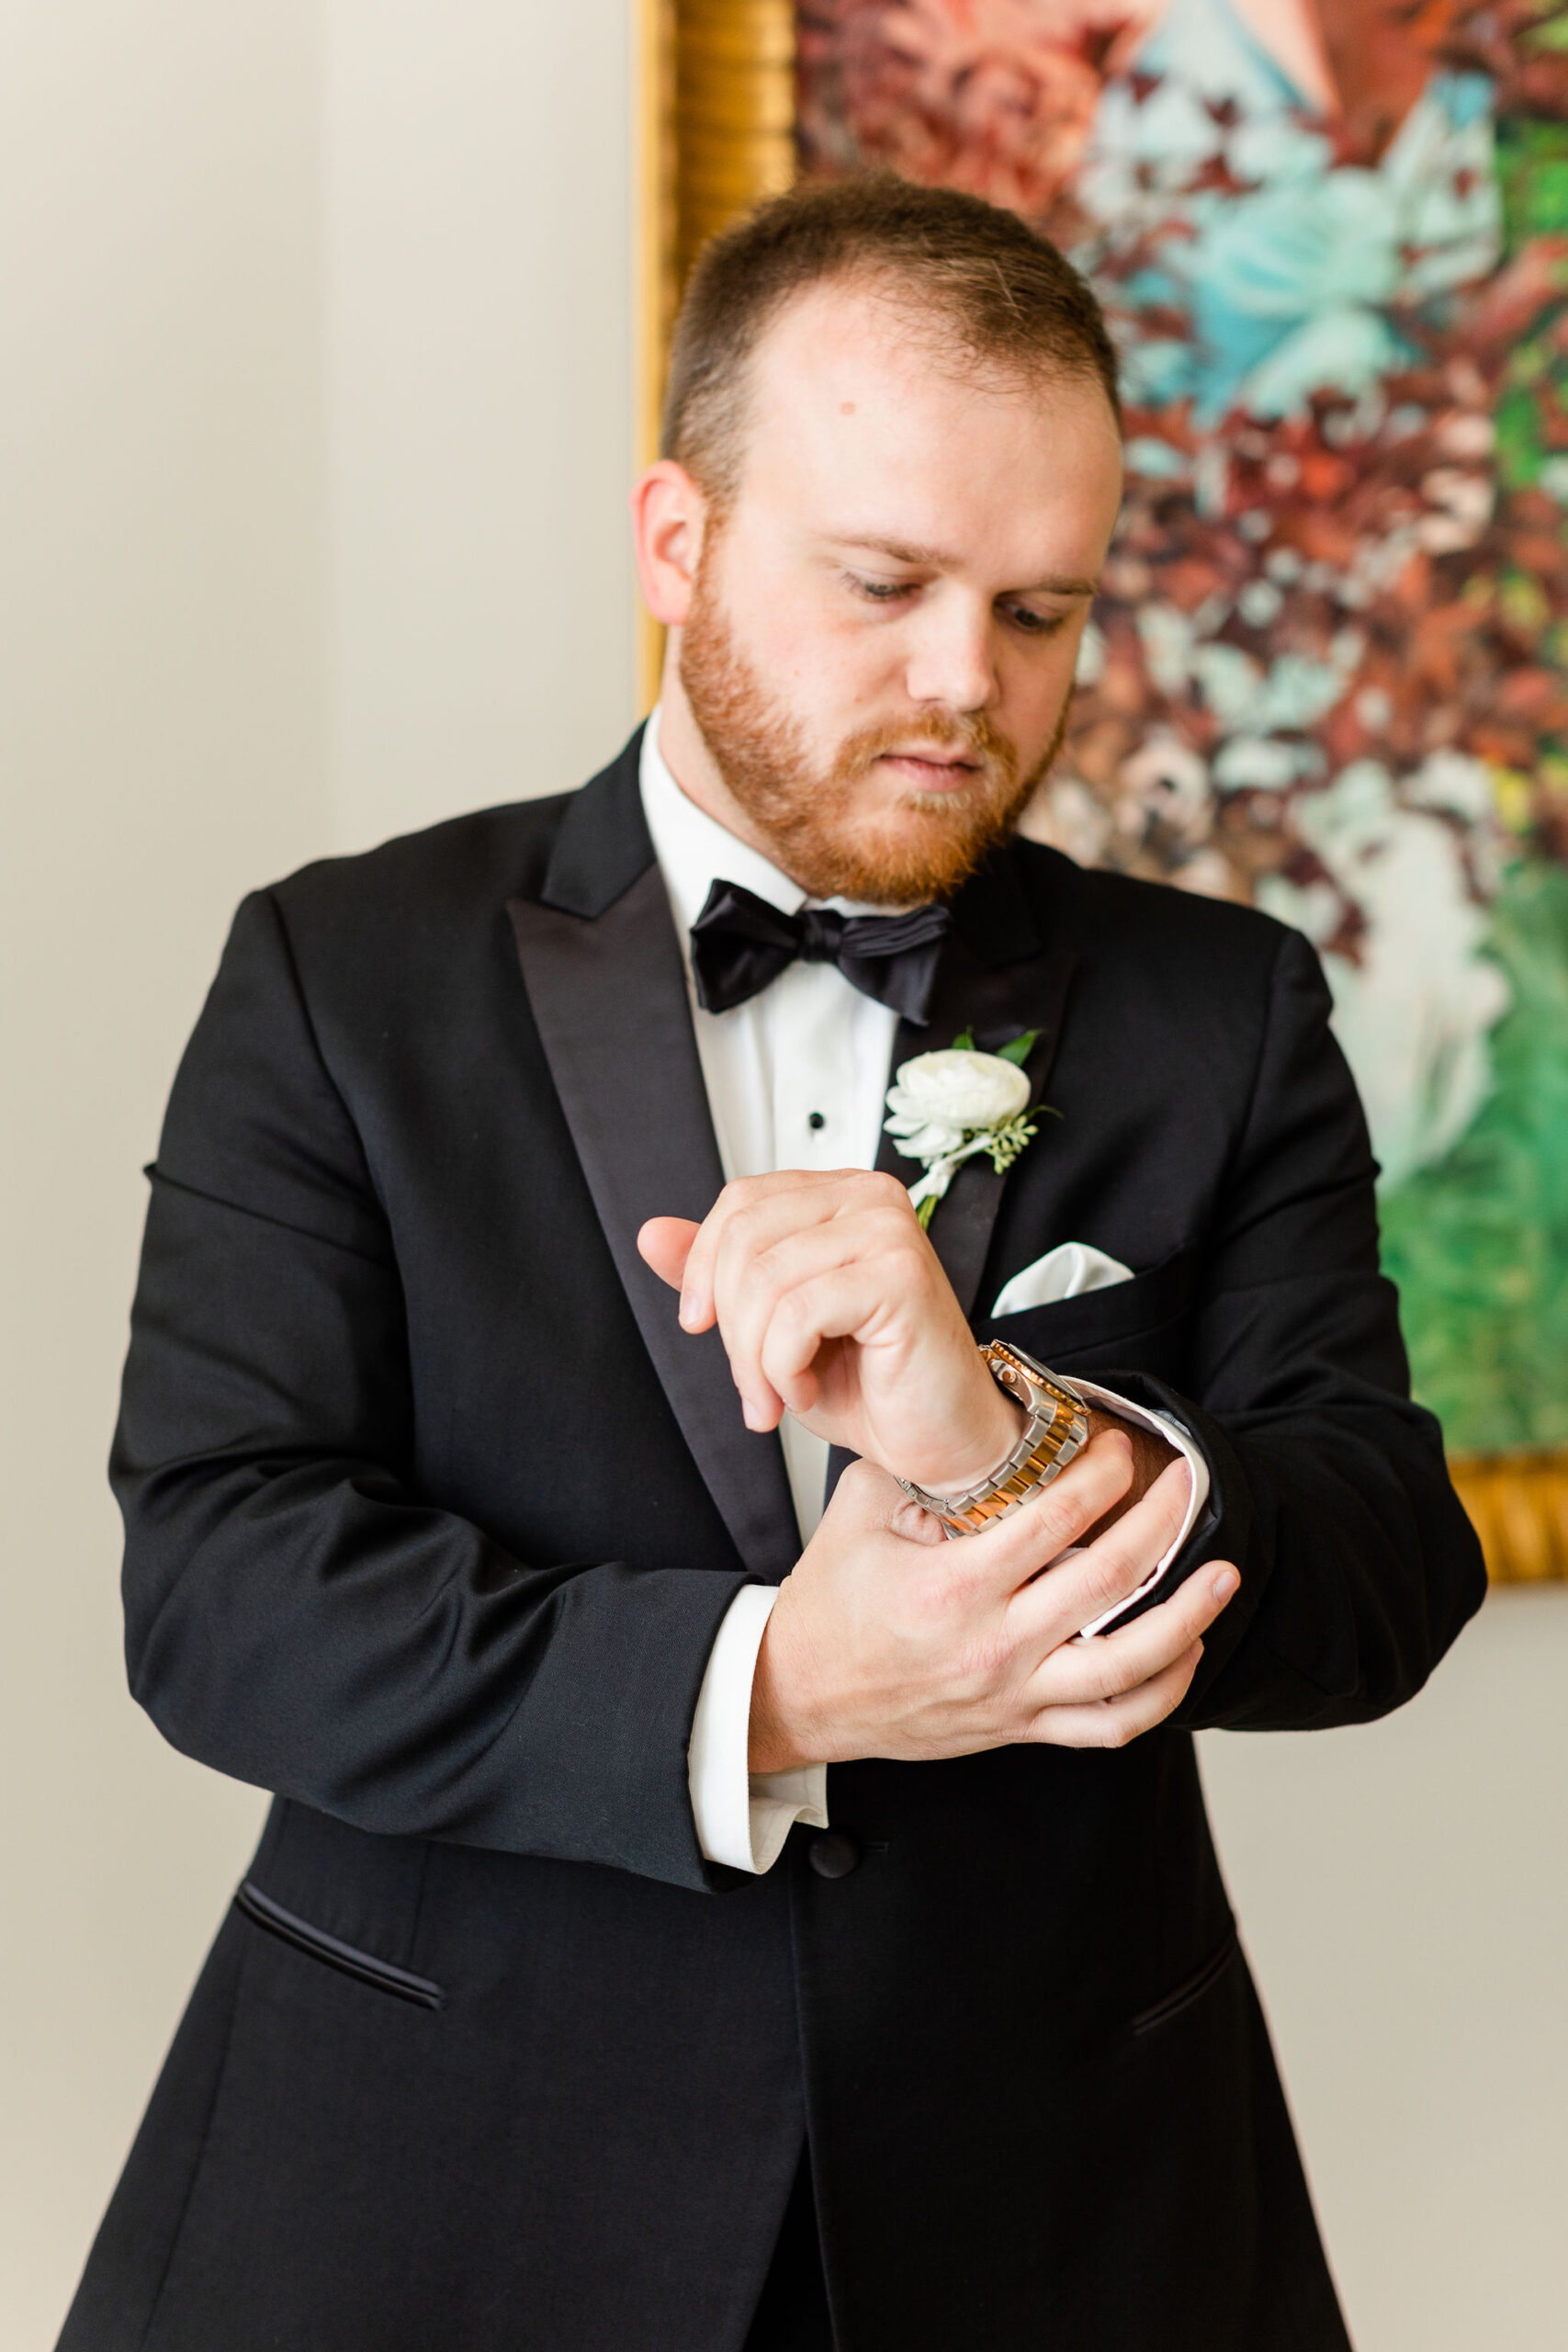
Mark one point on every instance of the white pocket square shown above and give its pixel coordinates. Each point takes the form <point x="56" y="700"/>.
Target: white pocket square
<point x="1064" y="1272"/>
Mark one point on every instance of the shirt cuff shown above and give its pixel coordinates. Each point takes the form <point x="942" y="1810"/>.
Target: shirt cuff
<point x="742" y="1818"/>
<point x="1164" y="1425"/>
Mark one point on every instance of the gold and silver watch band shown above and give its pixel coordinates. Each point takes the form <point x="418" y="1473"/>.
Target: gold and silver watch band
<point x="1056" y="1429"/>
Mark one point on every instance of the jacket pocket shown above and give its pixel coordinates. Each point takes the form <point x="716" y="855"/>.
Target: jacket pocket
<point x="1193" y="1989"/>
<point x="274" y="1920"/>
<point x="1097" y="1320"/>
<point x="1188" y="2121"/>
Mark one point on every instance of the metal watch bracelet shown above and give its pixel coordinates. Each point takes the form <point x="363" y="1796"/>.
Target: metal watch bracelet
<point x="1055" y="1430"/>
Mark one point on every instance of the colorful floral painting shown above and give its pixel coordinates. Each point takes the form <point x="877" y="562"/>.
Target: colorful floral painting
<point x="1329" y="673"/>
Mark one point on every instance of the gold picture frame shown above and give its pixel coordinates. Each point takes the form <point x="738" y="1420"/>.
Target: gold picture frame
<point x="1518" y="1506"/>
<point x="716" y="103"/>
<point x="716" y="106"/>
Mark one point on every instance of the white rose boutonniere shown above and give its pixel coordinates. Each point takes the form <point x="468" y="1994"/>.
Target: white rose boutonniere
<point x="947" y="1106"/>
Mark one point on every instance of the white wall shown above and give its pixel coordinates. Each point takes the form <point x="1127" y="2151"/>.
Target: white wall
<point x="162" y="744"/>
<point x="315" y="375"/>
<point x="1403" y="1896"/>
<point x="480" y="339"/>
<point x="317" y="418"/>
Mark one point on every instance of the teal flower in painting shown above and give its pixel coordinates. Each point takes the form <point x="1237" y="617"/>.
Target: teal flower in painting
<point x="1294" y="285"/>
<point x="1292" y="269"/>
<point x="1289" y="291"/>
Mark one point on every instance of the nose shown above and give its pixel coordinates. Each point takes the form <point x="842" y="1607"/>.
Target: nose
<point x="952" y="659"/>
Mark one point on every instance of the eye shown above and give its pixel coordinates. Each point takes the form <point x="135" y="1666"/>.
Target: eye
<point x="1032" y="623"/>
<point x="880" y="592"/>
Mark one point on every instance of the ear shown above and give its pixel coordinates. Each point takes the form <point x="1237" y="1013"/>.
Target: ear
<point x="668" y="514"/>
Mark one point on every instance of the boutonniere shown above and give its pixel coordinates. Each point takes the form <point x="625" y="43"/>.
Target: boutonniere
<point x="946" y="1107"/>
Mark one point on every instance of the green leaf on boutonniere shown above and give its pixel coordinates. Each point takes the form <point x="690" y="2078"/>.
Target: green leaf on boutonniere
<point x="1017" y="1052"/>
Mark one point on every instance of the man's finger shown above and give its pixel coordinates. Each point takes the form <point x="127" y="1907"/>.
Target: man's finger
<point x="775" y="1304"/>
<point x="1010" y="1554"/>
<point x="1080" y="1589"/>
<point x="765" y="1208"/>
<point x="811" y="1292"/>
<point x="870" y="1499"/>
<point x="1114" y="1723"/>
<point x="665" y="1244"/>
<point x="767" y="1203"/>
<point x="1113" y="1664"/>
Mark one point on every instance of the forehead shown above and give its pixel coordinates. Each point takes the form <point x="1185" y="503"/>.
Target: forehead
<point x="863" y="414"/>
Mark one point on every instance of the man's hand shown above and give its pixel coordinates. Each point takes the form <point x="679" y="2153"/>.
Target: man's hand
<point x="887" y="1640"/>
<point x="832" y="1303"/>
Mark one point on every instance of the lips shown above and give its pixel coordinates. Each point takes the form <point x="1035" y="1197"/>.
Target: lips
<point x="931" y="769"/>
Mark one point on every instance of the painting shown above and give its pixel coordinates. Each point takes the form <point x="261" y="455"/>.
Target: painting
<point x="1328" y="674"/>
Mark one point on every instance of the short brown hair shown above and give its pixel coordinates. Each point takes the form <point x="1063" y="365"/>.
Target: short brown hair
<point x="1007" y="296"/>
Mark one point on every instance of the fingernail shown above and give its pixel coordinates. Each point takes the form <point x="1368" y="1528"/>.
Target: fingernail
<point x="1225" y="1583"/>
<point x="685" y="1312"/>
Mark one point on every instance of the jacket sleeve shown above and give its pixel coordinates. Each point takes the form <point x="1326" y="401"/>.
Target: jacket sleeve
<point x="297" y="1616"/>
<point x="1329" y="1488"/>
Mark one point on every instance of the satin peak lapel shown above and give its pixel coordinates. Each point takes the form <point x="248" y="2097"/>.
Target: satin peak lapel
<point x="601" y="967"/>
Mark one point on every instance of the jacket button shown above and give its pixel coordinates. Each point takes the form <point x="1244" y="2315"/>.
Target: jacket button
<point x="833" y="1854"/>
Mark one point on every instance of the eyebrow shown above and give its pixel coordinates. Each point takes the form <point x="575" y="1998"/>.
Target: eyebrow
<point x="924" y="558"/>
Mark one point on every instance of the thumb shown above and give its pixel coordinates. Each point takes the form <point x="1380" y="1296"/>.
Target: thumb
<point x="665" y="1244"/>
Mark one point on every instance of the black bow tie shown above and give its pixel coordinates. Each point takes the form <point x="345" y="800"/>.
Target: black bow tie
<point x="739" y="943"/>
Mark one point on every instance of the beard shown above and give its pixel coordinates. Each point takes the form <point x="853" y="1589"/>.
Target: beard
<point x="921" y="847"/>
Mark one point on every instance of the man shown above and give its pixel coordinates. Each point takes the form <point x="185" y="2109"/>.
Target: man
<point x="684" y="1925"/>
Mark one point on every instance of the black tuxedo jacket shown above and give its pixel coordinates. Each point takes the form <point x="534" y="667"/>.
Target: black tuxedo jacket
<point x="432" y="1515"/>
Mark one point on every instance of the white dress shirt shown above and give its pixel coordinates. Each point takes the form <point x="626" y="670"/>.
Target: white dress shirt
<point x="795" y="1078"/>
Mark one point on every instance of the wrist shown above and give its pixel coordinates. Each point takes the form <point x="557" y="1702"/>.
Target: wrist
<point x="976" y="1451"/>
<point x="779" y="1736"/>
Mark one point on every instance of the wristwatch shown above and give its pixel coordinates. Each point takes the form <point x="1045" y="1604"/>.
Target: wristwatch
<point x="1056" y="1429"/>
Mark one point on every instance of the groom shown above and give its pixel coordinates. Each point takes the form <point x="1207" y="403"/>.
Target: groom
<point x="703" y="1906"/>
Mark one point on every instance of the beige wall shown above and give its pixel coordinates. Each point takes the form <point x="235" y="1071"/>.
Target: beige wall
<point x="314" y="372"/>
<point x="162" y="743"/>
<point x="1403" y="1891"/>
<point x="476" y="223"/>
<point x="317" y="415"/>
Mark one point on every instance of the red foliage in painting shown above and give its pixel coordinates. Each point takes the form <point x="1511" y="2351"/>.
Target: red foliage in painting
<point x="993" y="96"/>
